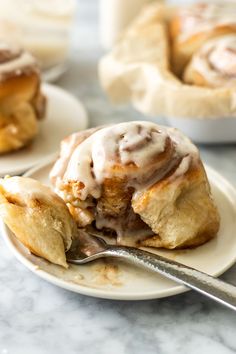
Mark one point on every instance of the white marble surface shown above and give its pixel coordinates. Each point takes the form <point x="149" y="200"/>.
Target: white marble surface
<point x="37" y="317"/>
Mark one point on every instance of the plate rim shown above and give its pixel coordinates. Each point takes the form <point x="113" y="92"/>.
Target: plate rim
<point x="100" y="293"/>
<point x="80" y="289"/>
<point x="84" y="124"/>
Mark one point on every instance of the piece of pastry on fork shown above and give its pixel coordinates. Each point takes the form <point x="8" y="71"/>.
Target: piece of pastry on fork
<point x="38" y="217"/>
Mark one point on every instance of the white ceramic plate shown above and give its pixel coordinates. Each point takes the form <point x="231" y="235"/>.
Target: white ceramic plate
<point x="113" y="279"/>
<point x="65" y="115"/>
<point x="53" y="74"/>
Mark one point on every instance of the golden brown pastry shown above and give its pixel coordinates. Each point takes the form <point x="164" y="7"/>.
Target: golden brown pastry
<point x="142" y="181"/>
<point x="21" y="102"/>
<point x="214" y="65"/>
<point x="193" y="25"/>
<point x="38" y="217"/>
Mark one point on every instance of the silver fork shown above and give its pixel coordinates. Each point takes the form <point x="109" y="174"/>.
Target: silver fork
<point x="89" y="247"/>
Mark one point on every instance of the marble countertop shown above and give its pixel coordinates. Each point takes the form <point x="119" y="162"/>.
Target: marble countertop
<point x="37" y="317"/>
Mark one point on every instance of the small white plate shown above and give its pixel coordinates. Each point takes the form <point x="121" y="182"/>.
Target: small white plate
<point x="65" y="115"/>
<point x="113" y="279"/>
<point x="53" y="74"/>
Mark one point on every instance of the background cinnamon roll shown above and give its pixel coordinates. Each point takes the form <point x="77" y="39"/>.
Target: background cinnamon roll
<point x="214" y="65"/>
<point x="193" y="25"/>
<point x="21" y="102"/>
<point x="139" y="180"/>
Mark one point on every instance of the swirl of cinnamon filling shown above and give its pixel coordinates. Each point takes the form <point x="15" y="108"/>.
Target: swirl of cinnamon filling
<point x="222" y="57"/>
<point x="14" y="61"/>
<point x="214" y="65"/>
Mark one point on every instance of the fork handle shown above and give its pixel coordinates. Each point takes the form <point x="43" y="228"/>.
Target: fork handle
<point x="207" y="285"/>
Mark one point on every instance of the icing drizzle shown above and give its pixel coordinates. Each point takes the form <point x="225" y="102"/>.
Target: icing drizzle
<point x="143" y="152"/>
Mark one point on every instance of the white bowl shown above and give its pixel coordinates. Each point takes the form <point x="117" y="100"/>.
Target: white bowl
<point x="208" y="131"/>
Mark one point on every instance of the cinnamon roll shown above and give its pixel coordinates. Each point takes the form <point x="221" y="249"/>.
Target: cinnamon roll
<point x="21" y="102"/>
<point x="142" y="182"/>
<point x="214" y="65"/>
<point x="192" y="26"/>
<point x="38" y="217"/>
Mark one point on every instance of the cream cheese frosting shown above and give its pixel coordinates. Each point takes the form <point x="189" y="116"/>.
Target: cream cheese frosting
<point x="135" y="147"/>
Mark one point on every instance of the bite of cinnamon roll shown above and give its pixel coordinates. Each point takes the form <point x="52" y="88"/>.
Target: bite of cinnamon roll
<point x="21" y="102"/>
<point x="214" y="65"/>
<point x="38" y="217"/>
<point x="143" y="182"/>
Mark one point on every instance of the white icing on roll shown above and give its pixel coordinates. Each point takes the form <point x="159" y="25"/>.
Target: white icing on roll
<point x="68" y="146"/>
<point x="132" y="149"/>
<point x="205" y="17"/>
<point x="14" y="61"/>
<point x="223" y="55"/>
<point x="216" y="61"/>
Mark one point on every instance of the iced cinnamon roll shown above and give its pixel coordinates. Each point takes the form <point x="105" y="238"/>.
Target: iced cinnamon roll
<point x="214" y="65"/>
<point x="37" y="217"/>
<point x="21" y="102"/>
<point x="192" y="26"/>
<point x="140" y="181"/>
